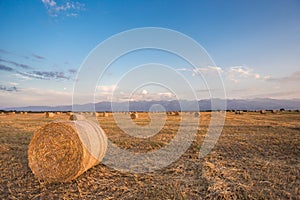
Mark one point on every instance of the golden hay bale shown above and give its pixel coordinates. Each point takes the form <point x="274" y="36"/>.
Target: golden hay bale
<point x="61" y="151"/>
<point x="239" y="112"/>
<point x="11" y="113"/>
<point x="75" y="117"/>
<point x="49" y="115"/>
<point x="196" y="114"/>
<point x="104" y="114"/>
<point x="134" y="115"/>
<point x="69" y="113"/>
<point x="263" y="112"/>
<point x="58" y="113"/>
<point x="176" y="113"/>
<point x="25" y="113"/>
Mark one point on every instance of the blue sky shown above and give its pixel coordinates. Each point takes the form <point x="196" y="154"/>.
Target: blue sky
<point x="254" y="44"/>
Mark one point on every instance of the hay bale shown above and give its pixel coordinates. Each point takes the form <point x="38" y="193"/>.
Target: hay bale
<point x="75" y="117"/>
<point x="274" y="111"/>
<point x="69" y="113"/>
<point x="196" y="114"/>
<point x="104" y="114"/>
<point x="263" y="112"/>
<point x="238" y="112"/>
<point x="11" y="113"/>
<point x="49" y="115"/>
<point x="134" y="115"/>
<point x="61" y="151"/>
<point x="25" y="113"/>
<point x="58" y="113"/>
<point x="176" y="113"/>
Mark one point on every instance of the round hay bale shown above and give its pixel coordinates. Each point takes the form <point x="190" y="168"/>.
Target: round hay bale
<point x="239" y="112"/>
<point x="58" y="113"/>
<point x="196" y="114"/>
<point x="75" y="117"/>
<point x="49" y="115"/>
<point x="263" y="112"/>
<point x="25" y="113"/>
<point x="176" y="113"/>
<point x="69" y="113"/>
<point x="274" y="111"/>
<point x="104" y="114"/>
<point x="61" y="151"/>
<point x="134" y="116"/>
<point x="11" y="113"/>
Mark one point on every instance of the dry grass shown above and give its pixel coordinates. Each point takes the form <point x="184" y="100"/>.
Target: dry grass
<point x="256" y="157"/>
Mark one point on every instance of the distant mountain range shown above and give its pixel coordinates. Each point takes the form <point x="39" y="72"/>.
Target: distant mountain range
<point x="232" y="104"/>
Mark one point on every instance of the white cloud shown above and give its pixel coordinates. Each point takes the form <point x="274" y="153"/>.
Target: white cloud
<point x="239" y="73"/>
<point x="69" y="9"/>
<point x="207" y="70"/>
<point x="144" y="92"/>
<point x="202" y="70"/>
<point x="106" y="88"/>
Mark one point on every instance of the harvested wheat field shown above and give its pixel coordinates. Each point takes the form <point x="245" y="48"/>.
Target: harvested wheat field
<point x="256" y="157"/>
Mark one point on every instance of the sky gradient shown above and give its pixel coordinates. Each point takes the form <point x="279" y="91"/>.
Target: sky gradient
<point x="255" y="46"/>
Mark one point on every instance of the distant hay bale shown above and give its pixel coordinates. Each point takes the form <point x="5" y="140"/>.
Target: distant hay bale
<point x="2" y="113"/>
<point x="61" y="151"/>
<point x="134" y="115"/>
<point x="21" y="113"/>
<point x="49" y="115"/>
<point x="11" y="113"/>
<point x="69" y="113"/>
<point x="263" y="112"/>
<point x="239" y="112"/>
<point x="196" y="114"/>
<point x="176" y="113"/>
<point x="75" y="117"/>
<point x="25" y="113"/>
<point x="58" y="113"/>
<point x="104" y="114"/>
<point x="274" y="111"/>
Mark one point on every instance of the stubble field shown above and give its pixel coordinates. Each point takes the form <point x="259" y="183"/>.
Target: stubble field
<point x="256" y="157"/>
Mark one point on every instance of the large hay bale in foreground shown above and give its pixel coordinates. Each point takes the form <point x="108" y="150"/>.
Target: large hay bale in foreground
<point x="61" y="151"/>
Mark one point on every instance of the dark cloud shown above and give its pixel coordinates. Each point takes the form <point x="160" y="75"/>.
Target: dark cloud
<point x="51" y="75"/>
<point x="38" y="56"/>
<point x="4" y="51"/>
<point x="72" y="71"/>
<point x="294" y="77"/>
<point x="16" y="64"/>
<point x="6" y="68"/>
<point x="8" y="89"/>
